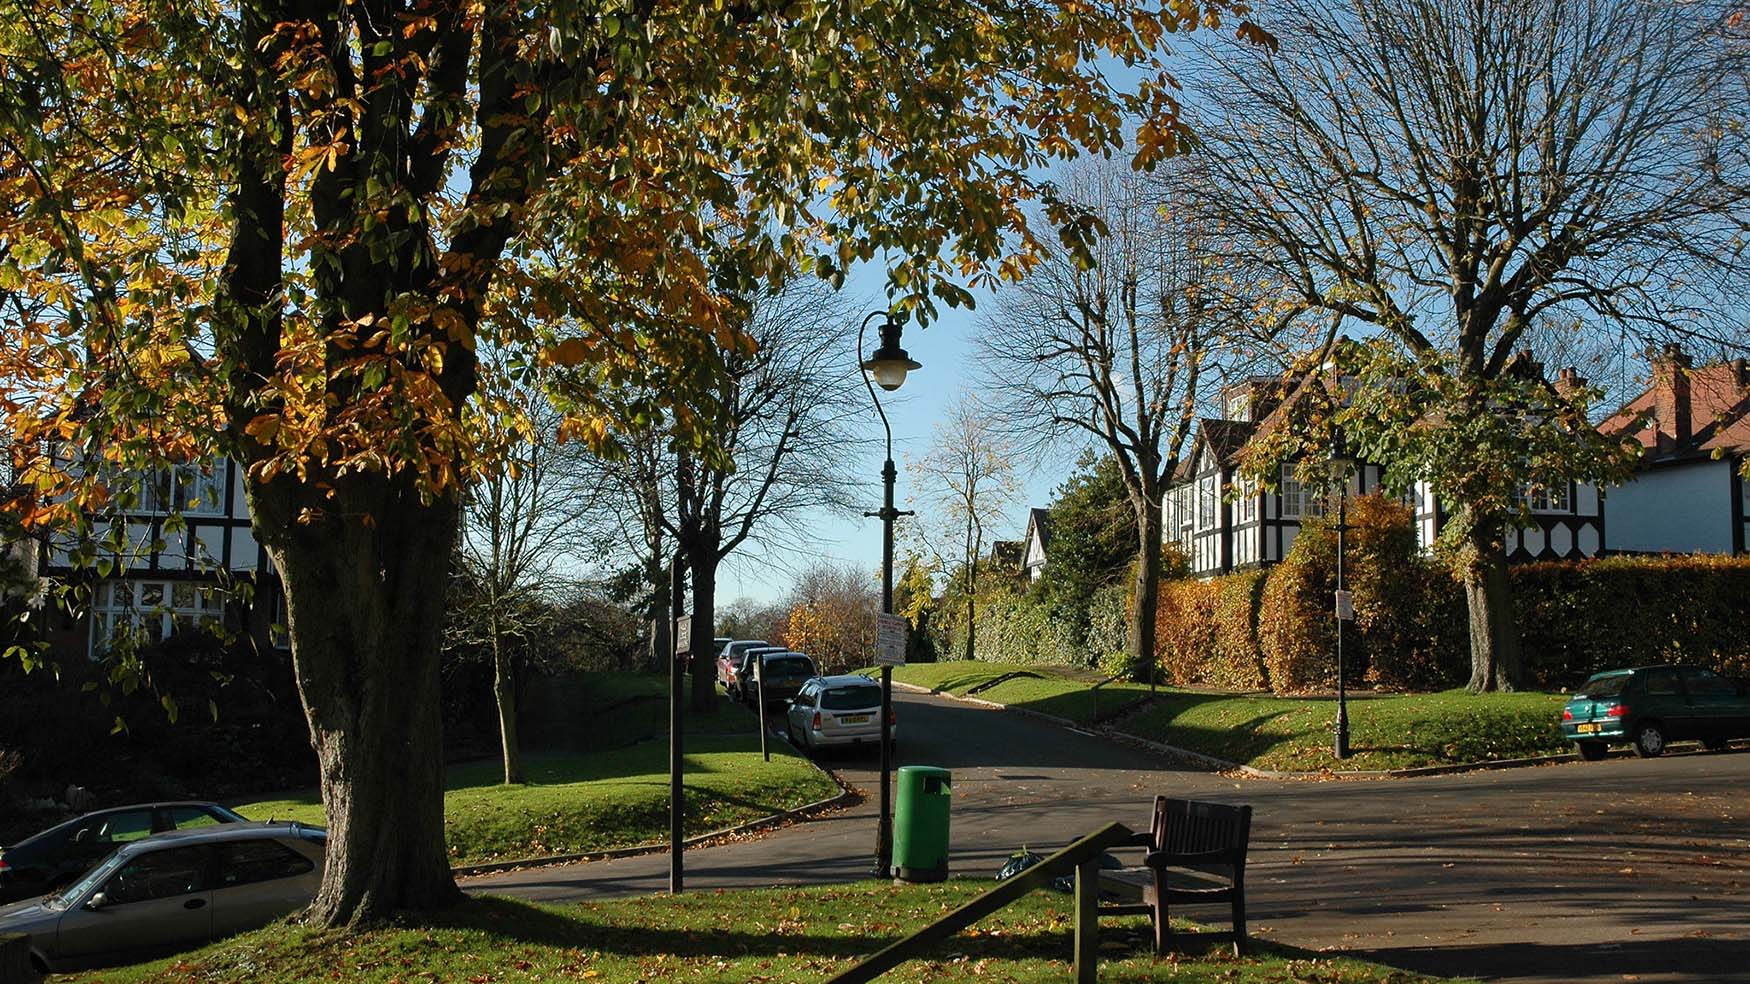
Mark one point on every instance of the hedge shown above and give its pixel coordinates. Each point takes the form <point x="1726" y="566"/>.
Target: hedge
<point x="1578" y="618"/>
<point x="1273" y="628"/>
<point x="1016" y="629"/>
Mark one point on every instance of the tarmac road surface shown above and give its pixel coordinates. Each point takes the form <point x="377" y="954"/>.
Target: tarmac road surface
<point x="1576" y="872"/>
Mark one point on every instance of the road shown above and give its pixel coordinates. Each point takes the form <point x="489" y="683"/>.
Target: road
<point x="1611" y="871"/>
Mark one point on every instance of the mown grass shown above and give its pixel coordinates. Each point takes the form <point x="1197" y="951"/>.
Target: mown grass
<point x="771" y="935"/>
<point x="1290" y="734"/>
<point x="595" y="801"/>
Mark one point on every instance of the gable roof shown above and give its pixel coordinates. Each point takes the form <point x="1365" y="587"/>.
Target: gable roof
<point x="1039" y="526"/>
<point x="1719" y="409"/>
<point x="1225" y="439"/>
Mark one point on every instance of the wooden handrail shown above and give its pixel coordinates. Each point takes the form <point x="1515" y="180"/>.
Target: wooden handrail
<point x="1081" y="857"/>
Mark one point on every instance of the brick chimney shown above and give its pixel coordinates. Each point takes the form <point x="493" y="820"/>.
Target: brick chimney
<point x="1569" y="381"/>
<point x="1741" y="373"/>
<point x="1671" y="403"/>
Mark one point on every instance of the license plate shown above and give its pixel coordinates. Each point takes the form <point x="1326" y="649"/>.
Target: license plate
<point x="1587" y="729"/>
<point x="855" y="719"/>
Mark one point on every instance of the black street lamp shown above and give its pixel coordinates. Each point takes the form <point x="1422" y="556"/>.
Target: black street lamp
<point x="887" y="367"/>
<point x="1341" y="467"/>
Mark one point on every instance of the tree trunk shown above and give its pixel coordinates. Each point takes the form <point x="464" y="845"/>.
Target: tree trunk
<point x="1145" y="590"/>
<point x="1488" y="595"/>
<point x="504" y="688"/>
<point x="972" y="609"/>
<point x="661" y="644"/>
<point x="364" y="573"/>
<point x="703" y="664"/>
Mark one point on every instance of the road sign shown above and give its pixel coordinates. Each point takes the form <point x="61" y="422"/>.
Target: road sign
<point x="683" y="635"/>
<point x="890" y="633"/>
<point x="1346" y="605"/>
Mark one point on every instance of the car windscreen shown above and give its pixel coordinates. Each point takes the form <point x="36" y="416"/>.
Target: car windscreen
<point x="1610" y="686"/>
<point x="853" y="698"/>
<point x="90" y="880"/>
<point x="788" y="666"/>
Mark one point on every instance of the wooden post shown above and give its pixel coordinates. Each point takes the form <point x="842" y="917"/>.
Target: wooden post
<point x="922" y="942"/>
<point x="1088" y="921"/>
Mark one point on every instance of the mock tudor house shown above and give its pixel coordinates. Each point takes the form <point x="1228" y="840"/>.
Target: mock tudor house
<point x="166" y="576"/>
<point x="1689" y="495"/>
<point x="1225" y="522"/>
<point x="1034" y="543"/>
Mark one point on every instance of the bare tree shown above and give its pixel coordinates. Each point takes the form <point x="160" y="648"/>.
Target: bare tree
<point x="780" y="419"/>
<point x="1450" y="174"/>
<point x="1113" y="354"/>
<point x="782" y="415"/>
<point x="519" y="524"/>
<point x="966" y="478"/>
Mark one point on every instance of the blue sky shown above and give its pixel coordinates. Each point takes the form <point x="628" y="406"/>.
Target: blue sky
<point x="947" y="348"/>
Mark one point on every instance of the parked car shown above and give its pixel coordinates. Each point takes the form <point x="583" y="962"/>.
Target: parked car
<point x="837" y="711"/>
<point x="782" y="674"/>
<point x="1652" y="706"/>
<point x="729" y="662"/>
<point x="172" y="892"/>
<point x="741" y="671"/>
<point x="718" y="644"/>
<point x="45" y="861"/>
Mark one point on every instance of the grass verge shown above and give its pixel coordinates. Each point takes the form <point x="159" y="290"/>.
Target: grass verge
<point x="596" y="801"/>
<point x="1289" y="734"/>
<point x="775" y="935"/>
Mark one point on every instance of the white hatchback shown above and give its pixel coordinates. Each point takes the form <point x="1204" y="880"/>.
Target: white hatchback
<point x="837" y="711"/>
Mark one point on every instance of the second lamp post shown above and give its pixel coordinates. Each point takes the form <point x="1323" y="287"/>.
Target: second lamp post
<point x="887" y="368"/>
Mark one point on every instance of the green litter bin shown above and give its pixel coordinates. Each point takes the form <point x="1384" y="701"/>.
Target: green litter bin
<point x="920" y="823"/>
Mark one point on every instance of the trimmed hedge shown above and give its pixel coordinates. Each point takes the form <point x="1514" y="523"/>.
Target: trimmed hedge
<point x="1578" y="618"/>
<point x="1273" y="629"/>
<point x="1016" y="629"/>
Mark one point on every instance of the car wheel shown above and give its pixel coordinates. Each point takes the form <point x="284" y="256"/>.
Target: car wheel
<point x="1592" y="751"/>
<point x="1650" y="740"/>
<point x="1715" y="744"/>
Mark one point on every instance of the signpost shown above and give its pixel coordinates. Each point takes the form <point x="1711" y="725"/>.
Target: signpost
<point x="677" y="676"/>
<point x="759" y="683"/>
<point x="890" y="637"/>
<point x="1346" y="605"/>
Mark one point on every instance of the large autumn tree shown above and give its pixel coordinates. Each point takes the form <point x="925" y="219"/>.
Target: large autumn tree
<point x="1450" y="176"/>
<point x="277" y="230"/>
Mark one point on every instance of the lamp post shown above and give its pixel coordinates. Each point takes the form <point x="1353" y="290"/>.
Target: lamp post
<point x="1341" y="467"/>
<point x="887" y="368"/>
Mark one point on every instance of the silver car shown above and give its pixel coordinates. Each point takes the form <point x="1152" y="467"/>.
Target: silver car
<point x="173" y="891"/>
<point x="837" y="711"/>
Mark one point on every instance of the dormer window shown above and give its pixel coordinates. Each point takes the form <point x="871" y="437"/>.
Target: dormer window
<point x="1239" y="406"/>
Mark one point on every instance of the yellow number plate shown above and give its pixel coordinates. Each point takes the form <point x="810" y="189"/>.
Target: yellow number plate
<point x="1587" y="729"/>
<point x="855" y="719"/>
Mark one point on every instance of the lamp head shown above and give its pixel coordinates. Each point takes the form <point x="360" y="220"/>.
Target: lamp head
<point x="890" y="363"/>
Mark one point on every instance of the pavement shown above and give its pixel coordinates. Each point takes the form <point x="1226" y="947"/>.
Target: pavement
<point x="1627" y="869"/>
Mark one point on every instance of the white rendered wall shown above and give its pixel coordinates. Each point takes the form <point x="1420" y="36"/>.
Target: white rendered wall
<point x="1681" y="509"/>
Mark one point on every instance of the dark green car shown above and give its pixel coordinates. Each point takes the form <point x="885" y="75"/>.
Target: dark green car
<point x="1652" y="706"/>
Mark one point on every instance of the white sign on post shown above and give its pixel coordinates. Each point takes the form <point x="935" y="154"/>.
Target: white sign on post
<point x="890" y="633"/>
<point x="683" y="635"/>
<point x="1346" y="605"/>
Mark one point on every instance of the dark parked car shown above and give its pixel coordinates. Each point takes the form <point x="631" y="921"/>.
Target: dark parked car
<point x="782" y="676"/>
<point x="44" y="862"/>
<point x="1652" y="706"/>
<point x="171" y="892"/>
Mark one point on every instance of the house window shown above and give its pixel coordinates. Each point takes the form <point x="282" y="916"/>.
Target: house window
<point x="1248" y="500"/>
<point x="1206" y="503"/>
<point x="1239" y="407"/>
<point x="1545" y="500"/>
<point x="154" y="609"/>
<point x="185" y="489"/>
<point x="1299" y="500"/>
<point x="1183" y="508"/>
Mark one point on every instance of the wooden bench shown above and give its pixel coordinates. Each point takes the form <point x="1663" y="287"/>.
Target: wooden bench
<point x="1187" y="835"/>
